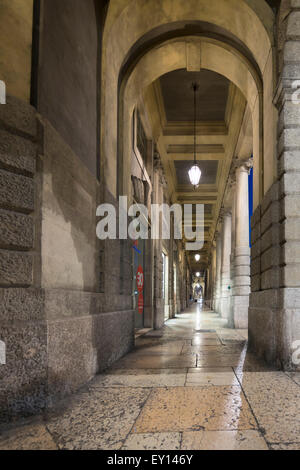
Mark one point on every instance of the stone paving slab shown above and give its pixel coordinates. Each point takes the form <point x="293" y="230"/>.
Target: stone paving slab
<point x="158" y="341"/>
<point x="140" y="380"/>
<point x="295" y="376"/>
<point x="153" y="441"/>
<point x="179" y="387"/>
<point x="211" y="341"/>
<point x="274" y="399"/>
<point x="250" y="363"/>
<point x="243" y="333"/>
<point x="223" y="440"/>
<point x="283" y="446"/>
<point x="168" y="348"/>
<point x="31" y="437"/>
<point x="134" y="360"/>
<point x="211" y="349"/>
<point x="214" y="369"/>
<point x="98" y="419"/>
<point x="116" y="371"/>
<point x="195" y="408"/>
<point x="204" y="378"/>
<point x="222" y="360"/>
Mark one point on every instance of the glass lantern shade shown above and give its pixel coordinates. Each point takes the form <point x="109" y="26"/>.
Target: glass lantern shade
<point x="195" y="175"/>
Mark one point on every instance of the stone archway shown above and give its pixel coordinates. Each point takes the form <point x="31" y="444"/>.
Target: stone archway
<point x="209" y="54"/>
<point x="126" y="25"/>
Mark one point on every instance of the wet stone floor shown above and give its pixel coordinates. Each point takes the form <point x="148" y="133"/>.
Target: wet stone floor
<point x="191" y="385"/>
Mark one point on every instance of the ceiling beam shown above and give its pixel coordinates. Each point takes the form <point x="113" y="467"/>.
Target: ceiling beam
<point x="204" y="140"/>
<point x="202" y="128"/>
<point x="200" y="156"/>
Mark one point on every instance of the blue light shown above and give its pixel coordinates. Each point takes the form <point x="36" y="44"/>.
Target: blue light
<point x="250" y="193"/>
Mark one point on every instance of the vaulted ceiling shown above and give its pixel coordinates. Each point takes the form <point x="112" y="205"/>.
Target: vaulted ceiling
<point x="178" y="98"/>
<point x="220" y="109"/>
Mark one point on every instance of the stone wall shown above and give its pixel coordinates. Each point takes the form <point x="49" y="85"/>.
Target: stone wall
<point x="87" y="329"/>
<point x="65" y="310"/>
<point x="15" y="47"/>
<point x="274" y="314"/>
<point x="22" y="319"/>
<point x="265" y="261"/>
<point x="69" y="71"/>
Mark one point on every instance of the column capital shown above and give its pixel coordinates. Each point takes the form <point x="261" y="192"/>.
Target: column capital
<point x="232" y="180"/>
<point x="243" y="165"/>
<point x="225" y="212"/>
<point x="158" y="167"/>
<point x="232" y="174"/>
<point x="217" y="236"/>
<point x="157" y="164"/>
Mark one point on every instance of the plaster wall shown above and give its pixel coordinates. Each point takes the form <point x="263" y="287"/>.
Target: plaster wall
<point x="69" y="71"/>
<point x="15" y="46"/>
<point x="68" y="215"/>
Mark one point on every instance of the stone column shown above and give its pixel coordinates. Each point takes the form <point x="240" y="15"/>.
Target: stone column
<point x="171" y="275"/>
<point x="213" y="280"/>
<point x="149" y="269"/>
<point x="232" y="255"/>
<point x="241" y="288"/>
<point x="233" y="229"/>
<point x="225" y="269"/>
<point x="158" y="301"/>
<point x="207" y="287"/>
<point x="218" y="272"/>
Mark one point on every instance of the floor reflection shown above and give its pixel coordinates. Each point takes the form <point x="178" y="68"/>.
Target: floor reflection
<point x="191" y="385"/>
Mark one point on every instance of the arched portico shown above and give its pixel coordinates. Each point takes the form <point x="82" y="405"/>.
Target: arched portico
<point x="111" y="114"/>
<point x="124" y="29"/>
<point x="212" y="55"/>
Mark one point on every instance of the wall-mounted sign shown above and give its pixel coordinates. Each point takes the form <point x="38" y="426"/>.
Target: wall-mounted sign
<point x="141" y="304"/>
<point x="140" y="279"/>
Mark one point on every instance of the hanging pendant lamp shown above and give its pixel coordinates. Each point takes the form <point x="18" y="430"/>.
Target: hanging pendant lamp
<point x="195" y="172"/>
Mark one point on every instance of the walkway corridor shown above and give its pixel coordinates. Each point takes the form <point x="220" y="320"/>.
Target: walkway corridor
<point x="191" y="385"/>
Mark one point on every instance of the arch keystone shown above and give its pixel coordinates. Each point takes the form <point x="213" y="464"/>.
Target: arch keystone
<point x="193" y="56"/>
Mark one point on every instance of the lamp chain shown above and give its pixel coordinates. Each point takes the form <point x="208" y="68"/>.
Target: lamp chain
<point x="195" y="118"/>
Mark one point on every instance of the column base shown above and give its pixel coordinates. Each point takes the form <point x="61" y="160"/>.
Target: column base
<point x="159" y="317"/>
<point x="218" y="305"/>
<point x="225" y="308"/>
<point x="274" y="327"/>
<point x="240" y="311"/>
